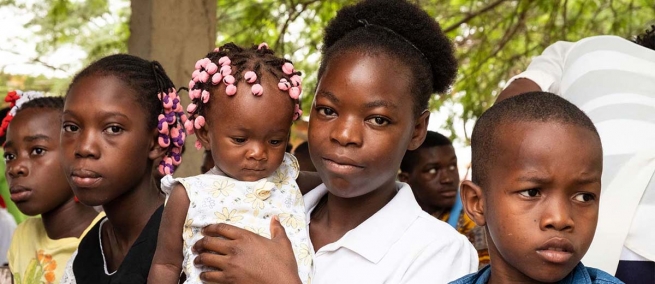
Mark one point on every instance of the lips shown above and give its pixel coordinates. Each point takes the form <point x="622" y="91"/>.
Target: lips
<point x="85" y="178"/>
<point x="19" y="193"/>
<point x="341" y="165"/>
<point x="556" y="250"/>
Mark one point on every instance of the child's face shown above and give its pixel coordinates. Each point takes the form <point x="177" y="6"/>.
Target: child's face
<point x="248" y="134"/>
<point x="435" y="178"/>
<point x="542" y="197"/>
<point x="362" y="123"/>
<point x="106" y="144"/>
<point x="36" y="180"/>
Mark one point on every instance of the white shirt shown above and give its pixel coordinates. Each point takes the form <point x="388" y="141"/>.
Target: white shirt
<point x="398" y="244"/>
<point x="7" y="227"/>
<point x="613" y="81"/>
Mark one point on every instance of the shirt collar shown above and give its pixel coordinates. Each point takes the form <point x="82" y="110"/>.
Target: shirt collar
<point x="373" y="238"/>
<point x="579" y="275"/>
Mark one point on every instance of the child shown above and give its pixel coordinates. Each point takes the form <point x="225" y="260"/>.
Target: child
<point x="244" y="102"/>
<point x="537" y="163"/>
<point x="382" y="61"/>
<point x="122" y="113"/>
<point x="41" y="246"/>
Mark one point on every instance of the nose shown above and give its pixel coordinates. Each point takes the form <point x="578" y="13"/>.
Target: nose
<point x="445" y="177"/>
<point x="86" y="146"/>
<point x="557" y="215"/>
<point x="257" y="152"/>
<point x="18" y="168"/>
<point x="347" y="132"/>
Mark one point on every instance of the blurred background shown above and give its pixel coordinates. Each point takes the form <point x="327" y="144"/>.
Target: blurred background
<point x="44" y="43"/>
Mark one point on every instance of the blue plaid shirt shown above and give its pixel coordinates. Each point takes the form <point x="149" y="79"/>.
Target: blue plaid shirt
<point x="579" y="275"/>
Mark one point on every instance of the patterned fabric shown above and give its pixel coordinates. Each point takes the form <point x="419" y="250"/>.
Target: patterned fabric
<point x="216" y="198"/>
<point x="475" y="234"/>
<point x="579" y="275"/>
<point x="35" y="258"/>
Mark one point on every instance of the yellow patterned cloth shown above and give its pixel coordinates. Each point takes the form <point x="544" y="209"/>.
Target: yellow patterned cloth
<point x="216" y="198"/>
<point x="34" y="258"/>
<point x="475" y="234"/>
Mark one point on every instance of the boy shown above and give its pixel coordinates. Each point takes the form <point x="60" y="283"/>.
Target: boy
<point x="537" y="192"/>
<point x="431" y="171"/>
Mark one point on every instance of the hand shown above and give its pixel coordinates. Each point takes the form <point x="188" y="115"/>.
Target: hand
<point x="245" y="257"/>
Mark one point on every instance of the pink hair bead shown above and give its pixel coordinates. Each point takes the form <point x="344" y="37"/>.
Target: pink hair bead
<point x="199" y="122"/>
<point x="163" y="142"/>
<point x="295" y="80"/>
<point x="287" y="68"/>
<point x="217" y="78"/>
<point x="205" y="62"/>
<point x="262" y="45"/>
<point x="226" y="70"/>
<point x="257" y="90"/>
<point x="195" y="73"/>
<point x="194" y="94"/>
<point x="294" y="93"/>
<point x="224" y="61"/>
<point x="231" y="90"/>
<point x="217" y="49"/>
<point x="198" y="145"/>
<point x="212" y="68"/>
<point x="250" y="77"/>
<point x="198" y="64"/>
<point x="189" y="126"/>
<point x="283" y="85"/>
<point x="204" y="77"/>
<point x="228" y="80"/>
<point x="205" y="96"/>
<point x="191" y="108"/>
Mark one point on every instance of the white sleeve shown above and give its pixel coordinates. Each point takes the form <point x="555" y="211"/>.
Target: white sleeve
<point x="546" y="69"/>
<point x="69" y="277"/>
<point x="443" y="263"/>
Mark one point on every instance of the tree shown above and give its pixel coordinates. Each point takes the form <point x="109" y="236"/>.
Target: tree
<point x="494" y="39"/>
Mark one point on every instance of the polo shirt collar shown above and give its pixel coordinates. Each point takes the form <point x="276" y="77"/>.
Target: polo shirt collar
<point x="373" y="238"/>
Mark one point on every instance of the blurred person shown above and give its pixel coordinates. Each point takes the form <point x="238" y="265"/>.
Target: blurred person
<point x="4" y="188"/>
<point x="612" y="80"/>
<point x="432" y="173"/>
<point x="304" y="160"/>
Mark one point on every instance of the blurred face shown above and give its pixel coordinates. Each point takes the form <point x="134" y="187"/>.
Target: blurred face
<point x="36" y="181"/>
<point x="435" y="178"/>
<point x="248" y="134"/>
<point x="362" y="123"/>
<point x="542" y="198"/>
<point x="105" y="141"/>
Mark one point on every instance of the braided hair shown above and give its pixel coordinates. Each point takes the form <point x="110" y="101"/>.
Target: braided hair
<point x="19" y="100"/>
<point x="157" y="95"/>
<point x="647" y="39"/>
<point x="399" y="29"/>
<point x="230" y="64"/>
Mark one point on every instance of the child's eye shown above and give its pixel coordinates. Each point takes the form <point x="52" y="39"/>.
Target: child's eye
<point x="9" y="157"/>
<point x="530" y="192"/>
<point x="584" y="197"/>
<point x="71" y="128"/>
<point x="432" y="171"/>
<point x="325" y="111"/>
<point x="38" y="151"/>
<point x="452" y="168"/>
<point x="275" y="142"/>
<point x="379" y="121"/>
<point x="114" y="129"/>
<point x="239" y="140"/>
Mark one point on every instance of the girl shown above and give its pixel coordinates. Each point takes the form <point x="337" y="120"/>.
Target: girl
<point x="121" y="114"/>
<point x="381" y="62"/>
<point x="41" y="245"/>
<point x="244" y="102"/>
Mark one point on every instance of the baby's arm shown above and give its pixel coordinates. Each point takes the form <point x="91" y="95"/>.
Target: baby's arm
<point x="167" y="262"/>
<point x="307" y="181"/>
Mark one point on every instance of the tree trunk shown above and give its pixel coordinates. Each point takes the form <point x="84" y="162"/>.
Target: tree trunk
<point x="175" y="33"/>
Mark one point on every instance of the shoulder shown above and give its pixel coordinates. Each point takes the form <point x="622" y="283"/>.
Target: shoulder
<point x="601" y="277"/>
<point x="95" y="221"/>
<point x="31" y="226"/>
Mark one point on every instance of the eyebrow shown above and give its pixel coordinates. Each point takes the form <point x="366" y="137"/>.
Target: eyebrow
<point x="328" y="95"/>
<point x="380" y="103"/>
<point x="535" y="179"/>
<point x="36" y="137"/>
<point x="102" y="114"/>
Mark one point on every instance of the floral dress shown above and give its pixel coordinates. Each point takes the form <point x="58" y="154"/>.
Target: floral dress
<point x="216" y="198"/>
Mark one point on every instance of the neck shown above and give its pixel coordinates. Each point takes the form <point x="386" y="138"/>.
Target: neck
<point x="437" y="212"/>
<point x="68" y="220"/>
<point x="129" y="213"/>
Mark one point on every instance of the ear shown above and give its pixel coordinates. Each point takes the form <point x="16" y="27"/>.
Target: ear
<point x="203" y="136"/>
<point x="473" y="202"/>
<point x="420" y="130"/>
<point x="156" y="151"/>
<point x="403" y="176"/>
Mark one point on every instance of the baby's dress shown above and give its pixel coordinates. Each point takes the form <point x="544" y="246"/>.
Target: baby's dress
<point x="216" y="198"/>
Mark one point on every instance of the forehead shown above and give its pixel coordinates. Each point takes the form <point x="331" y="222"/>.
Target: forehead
<point x="368" y="76"/>
<point x="436" y="154"/>
<point x="35" y="121"/>
<point x="103" y="93"/>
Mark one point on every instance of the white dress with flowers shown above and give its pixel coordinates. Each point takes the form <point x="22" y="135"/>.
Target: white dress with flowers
<point x="216" y="198"/>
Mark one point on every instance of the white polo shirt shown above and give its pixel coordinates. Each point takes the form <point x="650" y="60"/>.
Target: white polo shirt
<point x="613" y="81"/>
<point x="398" y="244"/>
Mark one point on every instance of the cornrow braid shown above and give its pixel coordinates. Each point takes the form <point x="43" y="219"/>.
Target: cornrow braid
<point x="157" y="95"/>
<point x="230" y="64"/>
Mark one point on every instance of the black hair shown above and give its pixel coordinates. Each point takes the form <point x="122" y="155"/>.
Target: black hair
<point x="256" y="59"/>
<point x="432" y="139"/>
<point x="647" y="39"/>
<point x="302" y="148"/>
<point x="527" y="107"/>
<point x="399" y="29"/>
<point x="152" y="86"/>
<point x="51" y="103"/>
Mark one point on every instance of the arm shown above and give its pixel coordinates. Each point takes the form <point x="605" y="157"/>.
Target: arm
<point x="307" y="181"/>
<point x="167" y="262"/>
<point x="240" y="256"/>
<point x="543" y="74"/>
